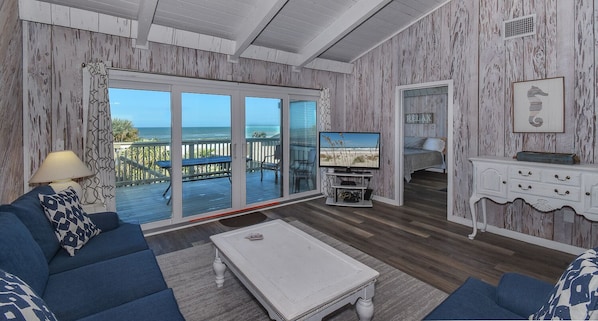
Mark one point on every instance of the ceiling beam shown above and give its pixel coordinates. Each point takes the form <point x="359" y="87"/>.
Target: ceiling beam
<point x="259" y="17"/>
<point x="348" y="21"/>
<point x="145" y="17"/>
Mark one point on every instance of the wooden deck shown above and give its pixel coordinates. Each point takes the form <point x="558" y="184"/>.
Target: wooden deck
<point x="145" y="203"/>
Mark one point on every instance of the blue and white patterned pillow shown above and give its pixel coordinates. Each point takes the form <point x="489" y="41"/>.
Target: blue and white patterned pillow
<point x="575" y="295"/>
<point x="19" y="302"/>
<point x="73" y="226"/>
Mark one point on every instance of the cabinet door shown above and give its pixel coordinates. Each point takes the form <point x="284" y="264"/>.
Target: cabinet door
<point x="590" y="191"/>
<point x="491" y="179"/>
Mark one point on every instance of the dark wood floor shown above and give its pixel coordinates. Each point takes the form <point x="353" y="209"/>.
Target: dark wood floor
<point x="415" y="238"/>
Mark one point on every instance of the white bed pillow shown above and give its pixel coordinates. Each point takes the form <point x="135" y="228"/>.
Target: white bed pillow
<point x="433" y="143"/>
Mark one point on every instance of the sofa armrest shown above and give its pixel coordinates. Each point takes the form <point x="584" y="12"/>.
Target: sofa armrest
<point x="106" y="221"/>
<point x="522" y="294"/>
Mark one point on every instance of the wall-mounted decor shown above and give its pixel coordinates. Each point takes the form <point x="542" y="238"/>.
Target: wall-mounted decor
<point x="538" y="106"/>
<point x="419" y="118"/>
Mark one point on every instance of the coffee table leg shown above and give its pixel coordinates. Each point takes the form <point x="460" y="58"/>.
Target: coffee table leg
<point x="365" y="309"/>
<point x="219" y="269"/>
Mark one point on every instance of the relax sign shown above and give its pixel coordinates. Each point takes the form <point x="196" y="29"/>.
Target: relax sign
<point x="419" y="118"/>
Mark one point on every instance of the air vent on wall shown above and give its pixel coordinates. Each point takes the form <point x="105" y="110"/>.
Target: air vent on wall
<point x="519" y="27"/>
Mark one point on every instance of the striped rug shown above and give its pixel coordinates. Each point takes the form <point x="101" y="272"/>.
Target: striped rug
<point x="189" y="273"/>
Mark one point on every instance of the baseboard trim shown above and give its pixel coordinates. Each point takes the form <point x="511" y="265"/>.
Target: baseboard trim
<point x="522" y="237"/>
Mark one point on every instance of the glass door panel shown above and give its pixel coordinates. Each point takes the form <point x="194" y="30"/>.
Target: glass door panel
<point x="206" y="153"/>
<point x="303" y="146"/>
<point x="142" y="136"/>
<point x="263" y="179"/>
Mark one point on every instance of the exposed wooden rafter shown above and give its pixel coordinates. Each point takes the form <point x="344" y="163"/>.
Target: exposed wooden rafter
<point x="145" y="18"/>
<point x="256" y="21"/>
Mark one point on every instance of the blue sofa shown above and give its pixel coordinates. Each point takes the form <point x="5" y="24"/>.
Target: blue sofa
<point x="114" y="276"/>
<point x="518" y="297"/>
<point x="515" y="298"/>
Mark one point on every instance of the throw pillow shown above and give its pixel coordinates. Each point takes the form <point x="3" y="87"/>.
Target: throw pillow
<point x="19" y="302"/>
<point x="73" y="226"/>
<point x="575" y="295"/>
<point x="436" y="144"/>
<point x="414" y="142"/>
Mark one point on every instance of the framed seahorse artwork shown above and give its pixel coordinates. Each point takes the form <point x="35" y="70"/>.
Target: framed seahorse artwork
<point x="539" y="106"/>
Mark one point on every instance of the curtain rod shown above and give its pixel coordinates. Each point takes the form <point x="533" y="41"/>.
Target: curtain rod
<point x="109" y="66"/>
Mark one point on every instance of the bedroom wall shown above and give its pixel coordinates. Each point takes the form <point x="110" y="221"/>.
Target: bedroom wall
<point x="462" y="41"/>
<point x="54" y="56"/>
<point x="11" y="102"/>
<point x="437" y="105"/>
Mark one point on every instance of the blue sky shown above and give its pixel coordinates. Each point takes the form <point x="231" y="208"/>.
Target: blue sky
<point x="350" y="139"/>
<point x="152" y="109"/>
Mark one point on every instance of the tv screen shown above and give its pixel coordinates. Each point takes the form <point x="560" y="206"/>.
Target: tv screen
<point x="349" y="150"/>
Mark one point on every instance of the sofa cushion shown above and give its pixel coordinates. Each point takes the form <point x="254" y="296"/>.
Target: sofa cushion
<point x="29" y="210"/>
<point x="73" y="226"/>
<point x="575" y="295"/>
<point x="521" y="294"/>
<point x="473" y="300"/>
<point x="103" y="285"/>
<point x="126" y="239"/>
<point x="154" y="307"/>
<point x="20" y="254"/>
<point x="19" y="302"/>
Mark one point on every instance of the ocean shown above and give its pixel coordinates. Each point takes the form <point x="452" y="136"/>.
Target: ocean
<point x="195" y="133"/>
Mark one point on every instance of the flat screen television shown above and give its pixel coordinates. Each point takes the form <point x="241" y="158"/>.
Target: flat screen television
<point x="349" y="151"/>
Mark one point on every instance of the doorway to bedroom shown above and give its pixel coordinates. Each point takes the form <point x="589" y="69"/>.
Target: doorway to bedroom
<point x="424" y="132"/>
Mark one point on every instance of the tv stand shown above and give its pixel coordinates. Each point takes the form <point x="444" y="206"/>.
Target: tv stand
<point x="350" y="189"/>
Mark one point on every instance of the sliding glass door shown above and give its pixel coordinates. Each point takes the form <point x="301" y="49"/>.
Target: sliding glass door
<point x="142" y="144"/>
<point x="192" y="149"/>
<point x="263" y="179"/>
<point x="206" y="139"/>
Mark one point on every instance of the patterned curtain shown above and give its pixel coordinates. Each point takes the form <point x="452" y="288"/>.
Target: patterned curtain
<point x="98" y="139"/>
<point x="324" y="125"/>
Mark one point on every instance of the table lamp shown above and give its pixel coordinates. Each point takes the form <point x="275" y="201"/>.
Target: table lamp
<point x="59" y="169"/>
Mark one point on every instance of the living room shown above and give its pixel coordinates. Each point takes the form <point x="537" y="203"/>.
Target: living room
<point x="460" y="41"/>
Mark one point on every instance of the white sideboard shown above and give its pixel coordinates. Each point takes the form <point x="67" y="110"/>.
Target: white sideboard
<point x="544" y="186"/>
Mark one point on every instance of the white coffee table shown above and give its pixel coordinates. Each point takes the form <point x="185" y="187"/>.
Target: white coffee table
<point x="292" y="274"/>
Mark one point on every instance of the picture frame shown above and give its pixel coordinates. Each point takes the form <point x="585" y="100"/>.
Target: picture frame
<point x="539" y="106"/>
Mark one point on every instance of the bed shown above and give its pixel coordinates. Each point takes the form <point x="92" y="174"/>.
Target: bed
<point x="422" y="153"/>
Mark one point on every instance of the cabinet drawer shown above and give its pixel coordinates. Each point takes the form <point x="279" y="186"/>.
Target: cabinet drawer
<point x="525" y="173"/>
<point x="562" y="177"/>
<point x="563" y="192"/>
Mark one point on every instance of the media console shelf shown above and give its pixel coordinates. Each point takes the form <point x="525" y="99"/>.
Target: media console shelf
<point x="353" y="183"/>
<point x="544" y="186"/>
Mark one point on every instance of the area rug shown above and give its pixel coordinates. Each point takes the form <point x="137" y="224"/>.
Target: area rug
<point x="243" y="220"/>
<point x="189" y="273"/>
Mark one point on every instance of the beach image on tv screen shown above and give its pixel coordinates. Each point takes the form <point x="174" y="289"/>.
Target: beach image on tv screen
<point x="349" y="150"/>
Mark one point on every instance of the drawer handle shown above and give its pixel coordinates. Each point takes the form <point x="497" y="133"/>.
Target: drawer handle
<point x="562" y="194"/>
<point x="562" y="179"/>
<point x="529" y="173"/>
<point x="525" y="189"/>
<point x="504" y="182"/>
<point x="588" y="194"/>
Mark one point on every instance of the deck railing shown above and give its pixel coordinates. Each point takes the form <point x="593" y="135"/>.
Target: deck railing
<point x="135" y="163"/>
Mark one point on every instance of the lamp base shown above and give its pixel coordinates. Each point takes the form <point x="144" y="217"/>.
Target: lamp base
<point x="59" y="186"/>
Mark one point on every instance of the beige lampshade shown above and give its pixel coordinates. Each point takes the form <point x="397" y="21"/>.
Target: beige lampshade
<point x="60" y="166"/>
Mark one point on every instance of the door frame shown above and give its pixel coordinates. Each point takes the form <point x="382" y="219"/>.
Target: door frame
<point x="399" y="134"/>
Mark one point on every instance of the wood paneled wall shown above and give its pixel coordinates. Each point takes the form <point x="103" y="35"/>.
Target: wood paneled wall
<point x="11" y="102"/>
<point x="463" y="41"/>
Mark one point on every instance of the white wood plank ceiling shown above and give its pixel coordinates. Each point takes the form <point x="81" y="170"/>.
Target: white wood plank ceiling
<point x="319" y="34"/>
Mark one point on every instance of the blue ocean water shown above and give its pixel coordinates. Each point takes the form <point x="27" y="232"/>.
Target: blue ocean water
<point x="194" y="133"/>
